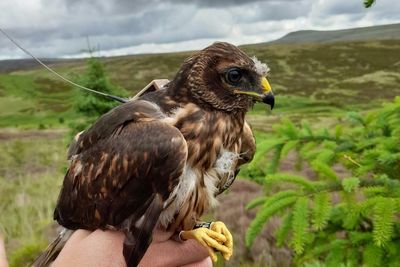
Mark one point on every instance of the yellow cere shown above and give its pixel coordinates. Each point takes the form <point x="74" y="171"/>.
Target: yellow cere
<point x="266" y="86"/>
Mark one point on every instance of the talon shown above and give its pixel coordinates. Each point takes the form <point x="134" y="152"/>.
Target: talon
<point x="221" y="228"/>
<point x="210" y="240"/>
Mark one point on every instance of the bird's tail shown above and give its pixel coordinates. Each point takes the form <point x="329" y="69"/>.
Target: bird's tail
<point x="52" y="251"/>
<point x="139" y="233"/>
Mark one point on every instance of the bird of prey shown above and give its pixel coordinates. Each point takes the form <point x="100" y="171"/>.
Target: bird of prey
<point x="162" y="158"/>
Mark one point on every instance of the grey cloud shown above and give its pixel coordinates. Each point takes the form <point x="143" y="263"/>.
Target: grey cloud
<point x="342" y="7"/>
<point x="62" y="26"/>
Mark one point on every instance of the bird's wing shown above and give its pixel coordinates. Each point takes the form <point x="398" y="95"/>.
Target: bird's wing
<point x="122" y="171"/>
<point x="248" y="148"/>
<point x="109" y="124"/>
<point x="247" y="151"/>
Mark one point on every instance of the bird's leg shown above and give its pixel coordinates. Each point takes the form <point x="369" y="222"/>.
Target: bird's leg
<point x="221" y="228"/>
<point x="217" y="238"/>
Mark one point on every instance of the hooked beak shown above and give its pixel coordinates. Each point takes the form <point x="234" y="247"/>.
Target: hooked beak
<point x="269" y="99"/>
<point x="266" y="96"/>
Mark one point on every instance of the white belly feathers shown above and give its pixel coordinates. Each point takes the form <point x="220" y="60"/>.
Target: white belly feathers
<point x="223" y="167"/>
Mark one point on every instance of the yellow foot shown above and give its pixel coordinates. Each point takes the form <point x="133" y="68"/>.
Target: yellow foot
<point x="221" y="228"/>
<point x="218" y="238"/>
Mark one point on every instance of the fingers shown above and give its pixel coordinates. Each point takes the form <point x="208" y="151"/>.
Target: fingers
<point x="3" y="257"/>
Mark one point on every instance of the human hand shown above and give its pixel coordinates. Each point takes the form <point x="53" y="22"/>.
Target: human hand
<point x="3" y="257"/>
<point x="104" y="249"/>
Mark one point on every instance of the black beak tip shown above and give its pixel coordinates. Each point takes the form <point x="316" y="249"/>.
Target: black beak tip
<point x="269" y="99"/>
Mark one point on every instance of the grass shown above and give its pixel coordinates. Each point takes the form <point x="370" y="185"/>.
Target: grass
<point x="30" y="174"/>
<point x="321" y="77"/>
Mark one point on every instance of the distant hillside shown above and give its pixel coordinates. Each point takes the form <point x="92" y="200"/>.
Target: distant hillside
<point x="311" y="78"/>
<point x="383" y="32"/>
<point x="10" y="65"/>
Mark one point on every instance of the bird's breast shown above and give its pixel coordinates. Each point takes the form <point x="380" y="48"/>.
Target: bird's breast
<point x="196" y="192"/>
<point x="213" y="151"/>
<point x="207" y="134"/>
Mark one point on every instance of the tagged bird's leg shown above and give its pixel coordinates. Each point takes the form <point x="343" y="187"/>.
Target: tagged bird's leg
<point x="210" y="239"/>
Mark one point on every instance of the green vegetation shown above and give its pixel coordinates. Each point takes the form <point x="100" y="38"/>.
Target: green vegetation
<point x="380" y="32"/>
<point x="89" y="106"/>
<point x="349" y="211"/>
<point x="340" y="76"/>
<point x="307" y="172"/>
<point x="368" y="3"/>
<point x="31" y="169"/>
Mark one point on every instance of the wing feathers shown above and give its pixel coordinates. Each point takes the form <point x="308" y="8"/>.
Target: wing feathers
<point x="110" y="179"/>
<point x="140" y="230"/>
<point x="113" y="122"/>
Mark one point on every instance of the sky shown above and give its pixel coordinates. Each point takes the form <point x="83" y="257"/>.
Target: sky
<point x="64" y="28"/>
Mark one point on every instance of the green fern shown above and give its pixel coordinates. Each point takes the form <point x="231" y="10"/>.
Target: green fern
<point x="262" y="149"/>
<point x="352" y="210"/>
<point x="353" y="221"/>
<point x="284" y="229"/>
<point x="288" y="146"/>
<point x="368" y="3"/>
<point x="289" y="178"/>
<point x="300" y="224"/>
<point x="383" y="221"/>
<point x="336" y="254"/>
<point x="322" y="210"/>
<point x="274" y="163"/>
<point x="324" y="170"/>
<point x="263" y="215"/>
<point x="256" y="202"/>
<point x="350" y="184"/>
<point x="307" y="129"/>
<point x="373" y="256"/>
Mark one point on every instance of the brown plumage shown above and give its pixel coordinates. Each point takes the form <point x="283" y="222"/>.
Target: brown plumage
<point x="164" y="157"/>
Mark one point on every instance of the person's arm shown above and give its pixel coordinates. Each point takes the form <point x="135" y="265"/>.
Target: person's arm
<point x="104" y="249"/>
<point x="3" y="256"/>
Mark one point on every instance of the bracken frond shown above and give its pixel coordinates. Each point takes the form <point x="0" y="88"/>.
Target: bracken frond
<point x="274" y="162"/>
<point x="288" y="146"/>
<point x="262" y="149"/>
<point x="256" y="202"/>
<point x="263" y="215"/>
<point x="350" y="184"/>
<point x="335" y="256"/>
<point x="290" y="178"/>
<point x="372" y="255"/>
<point x="300" y="225"/>
<point x="383" y="221"/>
<point x="283" y="230"/>
<point x="324" y="170"/>
<point x="322" y="210"/>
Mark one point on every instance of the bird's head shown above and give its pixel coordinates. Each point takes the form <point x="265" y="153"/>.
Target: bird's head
<point x="225" y="78"/>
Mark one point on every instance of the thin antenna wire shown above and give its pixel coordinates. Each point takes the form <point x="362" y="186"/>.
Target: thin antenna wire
<point x="117" y="98"/>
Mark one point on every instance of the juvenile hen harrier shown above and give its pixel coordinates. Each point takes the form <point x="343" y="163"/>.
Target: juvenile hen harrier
<point x="164" y="157"/>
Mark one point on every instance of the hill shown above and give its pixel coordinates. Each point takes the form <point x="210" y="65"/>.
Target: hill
<point x="382" y="32"/>
<point x="313" y="80"/>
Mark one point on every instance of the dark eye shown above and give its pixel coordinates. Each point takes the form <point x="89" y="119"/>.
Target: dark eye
<point x="233" y="76"/>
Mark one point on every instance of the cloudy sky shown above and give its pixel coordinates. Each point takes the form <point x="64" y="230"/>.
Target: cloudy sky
<point x="60" y="28"/>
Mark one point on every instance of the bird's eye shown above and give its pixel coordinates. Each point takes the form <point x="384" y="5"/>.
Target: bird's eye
<point x="233" y="76"/>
